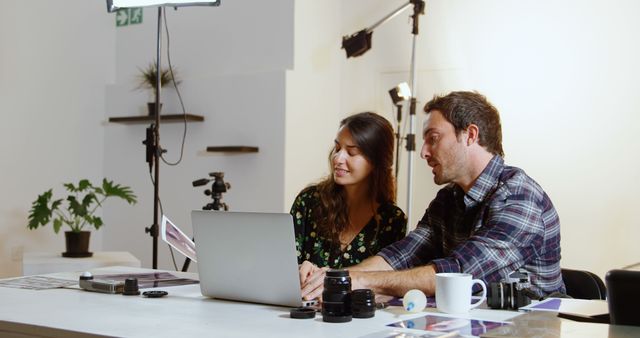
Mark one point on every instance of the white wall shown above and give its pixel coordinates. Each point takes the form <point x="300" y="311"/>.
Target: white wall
<point x="564" y="76"/>
<point x="313" y="95"/>
<point x="232" y="61"/>
<point x="52" y="77"/>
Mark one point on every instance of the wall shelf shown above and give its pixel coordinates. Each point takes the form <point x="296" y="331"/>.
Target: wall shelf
<point x="232" y="149"/>
<point x="172" y="118"/>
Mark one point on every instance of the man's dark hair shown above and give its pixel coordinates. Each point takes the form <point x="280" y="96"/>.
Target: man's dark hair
<point x="464" y="108"/>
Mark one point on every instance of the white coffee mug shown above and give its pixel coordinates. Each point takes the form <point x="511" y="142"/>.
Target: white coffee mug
<point x="453" y="292"/>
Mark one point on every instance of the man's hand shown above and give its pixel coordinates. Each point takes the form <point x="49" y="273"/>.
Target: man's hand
<point x="312" y="277"/>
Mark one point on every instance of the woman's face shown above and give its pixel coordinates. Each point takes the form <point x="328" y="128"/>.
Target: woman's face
<point x="350" y="166"/>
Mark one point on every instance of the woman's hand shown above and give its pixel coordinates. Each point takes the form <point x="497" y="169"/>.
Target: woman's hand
<point x="314" y="284"/>
<point x="311" y="280"/>
<point x="305" y="270"/>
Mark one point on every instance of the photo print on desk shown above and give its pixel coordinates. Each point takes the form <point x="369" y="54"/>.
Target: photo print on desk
<point x="434" y="322"/>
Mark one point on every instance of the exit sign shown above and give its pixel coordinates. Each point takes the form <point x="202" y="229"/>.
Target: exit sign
<point x="128" y="16"/>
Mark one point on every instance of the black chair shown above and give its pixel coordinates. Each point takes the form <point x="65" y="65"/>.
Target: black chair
<point x="623" y="296"/>
<point x="583" y="284"/>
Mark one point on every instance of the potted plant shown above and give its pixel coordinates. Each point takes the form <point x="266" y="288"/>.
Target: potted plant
<point x="77" y="211"/>
<point x="147" y="80"/>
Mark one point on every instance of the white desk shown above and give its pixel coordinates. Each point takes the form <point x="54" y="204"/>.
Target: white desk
<point x="37" y="263"/>
<point x="186" y="313"/>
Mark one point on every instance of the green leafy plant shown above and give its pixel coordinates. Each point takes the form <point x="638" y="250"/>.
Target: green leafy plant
<point x="147" y="77"/>
<point x="78" y="209"/>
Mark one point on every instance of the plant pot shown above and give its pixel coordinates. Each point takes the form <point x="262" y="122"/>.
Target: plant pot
<point x="151" y="106"/>
<point x="77" y="244"/>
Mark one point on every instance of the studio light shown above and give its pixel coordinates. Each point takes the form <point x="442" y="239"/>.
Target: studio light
<point x="114" y="5"/>
<point x="400" y="93"/>
<point x="359" y="43"/>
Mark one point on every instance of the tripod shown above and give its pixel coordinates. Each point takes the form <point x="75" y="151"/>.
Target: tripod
<point x="218" y="187"/>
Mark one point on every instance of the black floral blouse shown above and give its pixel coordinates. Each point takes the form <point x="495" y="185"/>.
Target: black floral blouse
<point x="386" y="227"/>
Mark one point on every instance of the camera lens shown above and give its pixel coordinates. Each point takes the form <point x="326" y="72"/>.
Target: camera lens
<point x="506" y="296"/>
<point x="499" y="296"/>
<point x="336" y="297"/>
<point x="363" y="304"/>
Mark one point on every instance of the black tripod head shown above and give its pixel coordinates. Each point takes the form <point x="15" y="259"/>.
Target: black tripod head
<point x="218" y="187"/>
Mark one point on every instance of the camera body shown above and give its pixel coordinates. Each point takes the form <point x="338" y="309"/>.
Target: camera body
<point x="511" y="293"/>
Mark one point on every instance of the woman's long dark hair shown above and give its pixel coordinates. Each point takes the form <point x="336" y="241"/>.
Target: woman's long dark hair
<point x="373" y="135"/>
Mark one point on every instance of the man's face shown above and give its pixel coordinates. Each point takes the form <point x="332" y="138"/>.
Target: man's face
<point x="444" y="152"/>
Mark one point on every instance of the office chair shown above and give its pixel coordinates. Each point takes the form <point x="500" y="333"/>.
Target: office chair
<point x="583" y="284"/>
<point x="623" y="287"/>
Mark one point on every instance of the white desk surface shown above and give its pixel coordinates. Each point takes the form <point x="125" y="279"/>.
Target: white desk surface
<point x="186" y="313"/>
<point x="36" y="263"/>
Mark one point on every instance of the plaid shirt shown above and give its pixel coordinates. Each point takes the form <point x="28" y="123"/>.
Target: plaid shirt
<point x="504" y="223"/>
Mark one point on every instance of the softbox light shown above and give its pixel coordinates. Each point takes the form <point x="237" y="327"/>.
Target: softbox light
<point x="114" y="5"/>
<point x="357" y="44"/>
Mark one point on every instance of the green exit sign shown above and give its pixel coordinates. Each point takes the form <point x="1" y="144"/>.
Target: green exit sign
<point x="128" y="16"/>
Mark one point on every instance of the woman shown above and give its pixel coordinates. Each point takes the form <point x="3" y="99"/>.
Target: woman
<point x="351" y="214"/>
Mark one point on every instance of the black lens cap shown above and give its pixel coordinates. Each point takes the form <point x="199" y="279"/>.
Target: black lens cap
<point x="303" y="313"/>
<point x="131" y="287"/>
<point x="155" y="294"/>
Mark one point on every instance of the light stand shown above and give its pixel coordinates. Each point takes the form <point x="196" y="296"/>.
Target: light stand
<point x="359" y="43"/>
<point x="398" y="140"/>
<point x="398" y="94"/>
<point x="152" y="140"/>
<point x="153" y="229"/>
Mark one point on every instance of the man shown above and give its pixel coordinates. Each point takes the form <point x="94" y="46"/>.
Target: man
<point x="489" y="220"/>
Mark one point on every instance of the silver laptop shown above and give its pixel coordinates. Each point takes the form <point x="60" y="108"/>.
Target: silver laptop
<point x="246" y="256"/>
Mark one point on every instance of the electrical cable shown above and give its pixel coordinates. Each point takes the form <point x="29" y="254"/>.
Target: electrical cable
<point x="175" y="85"/>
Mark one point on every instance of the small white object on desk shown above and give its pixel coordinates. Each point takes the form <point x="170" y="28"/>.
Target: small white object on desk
<point x="37" y="263"/>
<point x="414" y="301"/>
